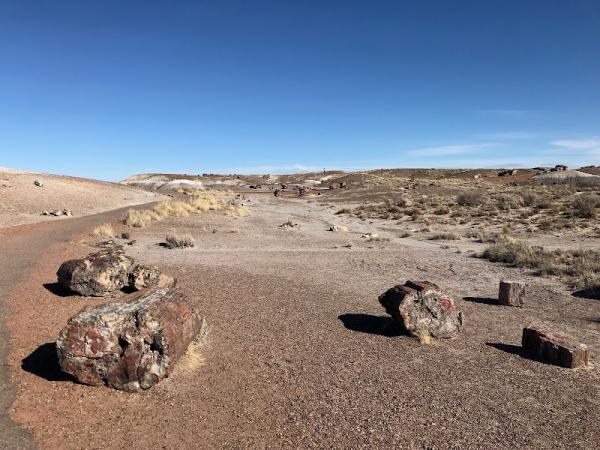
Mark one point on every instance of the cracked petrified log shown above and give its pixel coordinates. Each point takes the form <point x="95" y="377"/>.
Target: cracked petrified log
<point x="541" y="343"/>
<point x="142" y="276"/>
<point x="129" y="346"/>
<point x="422" y="309"/>
<point x="96" y="274"/>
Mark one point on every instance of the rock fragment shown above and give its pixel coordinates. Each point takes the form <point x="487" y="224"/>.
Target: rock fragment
<point x="129" y="346"/>
<point x="511" y="293"/>
<point x="38" y="183"/>
<point x="339" y="229"/>
<point x="422" y="309"/>
<point x="97" y="274"/>
<point x="542" y="344"/>
<point x="143" y="276"/>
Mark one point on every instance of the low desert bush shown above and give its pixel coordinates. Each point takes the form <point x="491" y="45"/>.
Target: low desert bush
<point x="469" y="198"/>
<point x="344" y="211"/>
<point x="507" y="201"/>
<point x="584" y="206"/>
<point x="179" y="241"/>
<point x="104" y="230"/>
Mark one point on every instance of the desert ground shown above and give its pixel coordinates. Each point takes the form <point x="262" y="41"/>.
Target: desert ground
<point x="298" y="352"/>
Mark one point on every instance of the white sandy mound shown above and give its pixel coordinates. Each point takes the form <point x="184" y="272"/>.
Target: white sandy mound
<point x="564" y="174"/>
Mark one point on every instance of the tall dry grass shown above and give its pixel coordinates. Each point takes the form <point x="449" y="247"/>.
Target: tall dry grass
<point x="199" y="202"/>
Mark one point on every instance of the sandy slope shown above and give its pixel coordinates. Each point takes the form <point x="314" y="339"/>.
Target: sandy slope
<point x="295" y="356"/>
<point x="22" y="202"/>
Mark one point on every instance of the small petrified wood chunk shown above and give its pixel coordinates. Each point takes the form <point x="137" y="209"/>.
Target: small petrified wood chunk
<point x="511" y="293"/>
<point x="129" y="346"/>
<point x="541" y="343"/>
<point x="142" y="276"/>
<point x="96" y="274"/>
<point x="421" y="308"/>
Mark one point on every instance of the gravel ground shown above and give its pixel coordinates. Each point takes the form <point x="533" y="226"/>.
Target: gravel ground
<point x="295" y="356"/>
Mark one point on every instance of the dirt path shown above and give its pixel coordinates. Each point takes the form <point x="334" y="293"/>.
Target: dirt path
<point x="23" y="248"/>
<point x="295" y="355"/>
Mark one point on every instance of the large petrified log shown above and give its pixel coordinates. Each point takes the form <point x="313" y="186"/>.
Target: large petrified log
<point x="96" y="274"/>
<point x="129" y="346"/>
<point x="422" y="309"/>
<point x="541" y="343"/>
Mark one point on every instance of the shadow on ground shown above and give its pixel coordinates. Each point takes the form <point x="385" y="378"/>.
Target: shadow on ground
<point x="482" y="300"/>
<point x="508" y="348"/>
<point x="592" y="293"/>
<point x="58" y="289"/>
<point x="43" y="362"/>
<point x="370" y="324"/>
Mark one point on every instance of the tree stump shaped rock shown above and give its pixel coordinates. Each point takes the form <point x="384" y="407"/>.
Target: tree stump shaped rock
<point x="129" y="346"/>
<point x="511" y="293"/>
<point x="542" y="344"/>
<point x="422" y="309"/>
<point x="97" y="274"/>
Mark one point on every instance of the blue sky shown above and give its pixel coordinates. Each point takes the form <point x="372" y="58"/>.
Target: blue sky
<point x="107" y="89"/>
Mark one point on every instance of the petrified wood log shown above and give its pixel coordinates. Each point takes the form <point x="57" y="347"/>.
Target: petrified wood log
<point x="511" y="293"/>
<point x="142" y="276"/>
<point x="96" y="274"/>
<point x="129" y="346"/>
<point x="542" y="344"/>
<point x="422" y="309"/>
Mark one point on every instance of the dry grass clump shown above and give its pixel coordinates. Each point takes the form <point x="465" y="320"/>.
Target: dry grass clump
<point x="445" y="236"/>
<point x="581" y="268"/>
<point x="344" y="211"/>
<point x="140" y="218"/>
<point x="104" y="230"/>
<point x="179" y="241"/>
<point x="238" y="211"/>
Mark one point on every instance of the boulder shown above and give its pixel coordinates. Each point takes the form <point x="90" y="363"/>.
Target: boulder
<point x="38" y="183"/>
<point x="542" y="344"/>
<point x="97" y="274"/>
<point x="511" y="293"/>
<point x="422" y="309"/>
<point x="129" y="346"/>
<point x="143" y="276"/>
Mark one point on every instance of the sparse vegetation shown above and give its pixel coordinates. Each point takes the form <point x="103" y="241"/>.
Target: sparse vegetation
<point x="445" y="236"/>
<point x="179" y="241"/>
<point x="104" y="230"/>
<point x="200" y="201"/>
<point x="581" y="268"/>
<point x="585" y="206"/>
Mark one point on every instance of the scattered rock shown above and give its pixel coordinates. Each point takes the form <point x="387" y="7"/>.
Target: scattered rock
<point x="45" y="213"/>
<point x="511" y="293"/>
<point x="38" y="183"/>
<point x="277" y="193"/>
<point x="129" y="346"/>
<point x="289" y="224"/>
<point x="143" y="276"/>
<point x="97" y="274"/>
<point x="370" y="236"/>
<point x="56" y="213"/>
<point x="339" y="229"/>
<point x="542" y="344"/>
<point x="132" y="242"/>
<point x="422" y="309"/>
<point x="67" y="212"/>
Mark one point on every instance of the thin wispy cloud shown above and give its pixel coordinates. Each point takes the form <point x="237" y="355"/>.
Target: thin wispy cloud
<point x="508" y="135"/>
<point x="578" y="144"/>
